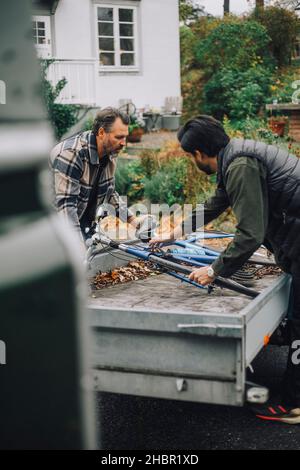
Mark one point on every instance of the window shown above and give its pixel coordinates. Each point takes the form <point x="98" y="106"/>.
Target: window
<point x="117" y="37"/>
<point x="39" y="32"/>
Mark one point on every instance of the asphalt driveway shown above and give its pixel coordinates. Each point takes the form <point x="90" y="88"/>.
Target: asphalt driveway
<point x="135" y="423"/>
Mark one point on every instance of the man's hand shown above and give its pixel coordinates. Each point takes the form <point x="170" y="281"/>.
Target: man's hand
<point x="166" y="237"/>
<point x="201" y="276"/>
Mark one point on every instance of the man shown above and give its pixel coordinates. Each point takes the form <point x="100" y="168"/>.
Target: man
<point x="84" y="166"/>
<point x="262" y="184"/>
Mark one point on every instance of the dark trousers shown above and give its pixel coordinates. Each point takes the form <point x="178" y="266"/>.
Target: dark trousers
<point x="291" y="382"/>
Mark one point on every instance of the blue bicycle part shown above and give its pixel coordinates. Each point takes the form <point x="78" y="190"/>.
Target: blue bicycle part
<point x="202" y="259"/>
<point x="187" y="251"/>
<point x="168" y="265"/>
<point x="188" y="245"/>
<point x="209" y="236"/>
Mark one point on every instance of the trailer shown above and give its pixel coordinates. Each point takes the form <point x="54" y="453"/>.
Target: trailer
<point x="161" y="338"/>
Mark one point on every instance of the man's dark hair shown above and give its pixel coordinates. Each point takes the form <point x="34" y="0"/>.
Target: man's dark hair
<point x="203" y="133"/>
<point x="106" y="117"/>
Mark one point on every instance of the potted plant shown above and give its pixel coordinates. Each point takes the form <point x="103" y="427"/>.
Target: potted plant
<point x="277" y="124"/>
<point x="135" y="128"/>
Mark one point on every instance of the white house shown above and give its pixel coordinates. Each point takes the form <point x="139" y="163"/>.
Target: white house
<point x="110" y="50"/>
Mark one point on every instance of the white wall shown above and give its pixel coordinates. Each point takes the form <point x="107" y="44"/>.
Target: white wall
<point x="159" y="61"/>
<point x="72" y="29"/>
<point x="159" y="71"/>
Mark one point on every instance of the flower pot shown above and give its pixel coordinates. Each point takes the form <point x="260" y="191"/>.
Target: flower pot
<point x="277" y="127"/>
<point x="135" y="135"/>
<point x="171" y="122"/>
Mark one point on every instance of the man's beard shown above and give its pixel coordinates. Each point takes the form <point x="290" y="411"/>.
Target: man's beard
<point x="110" y="149"/>
<point x="205" y="168"/>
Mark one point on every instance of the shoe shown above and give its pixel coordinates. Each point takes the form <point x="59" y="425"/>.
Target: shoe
<point x="278" y="413"/>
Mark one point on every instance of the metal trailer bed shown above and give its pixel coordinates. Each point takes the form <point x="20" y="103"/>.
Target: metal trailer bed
<point x="162" y="338"/>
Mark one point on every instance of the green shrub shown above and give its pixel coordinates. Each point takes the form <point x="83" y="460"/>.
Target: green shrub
<point x="172" y="177"/>
<point x="235" y="44"/>
<point x="237" y="94"/>
<point x="130" y="181"/>
<point x="246" y="101"/>
<point x="253" y="128"/>
<point x="149" y="162"/>
<point x="62" y="116"/>
<point x="205" y="25"/>
<point x="167" y="184"/>
<point x="238" y="68"/>
<point x="168" y="176"/>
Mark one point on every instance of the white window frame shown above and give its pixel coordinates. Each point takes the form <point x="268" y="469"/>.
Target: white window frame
<point x="118" y="67"/>
<point x="44" y="51"/>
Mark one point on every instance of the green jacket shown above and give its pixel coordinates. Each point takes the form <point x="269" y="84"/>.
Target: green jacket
<point x="247" y="194"/>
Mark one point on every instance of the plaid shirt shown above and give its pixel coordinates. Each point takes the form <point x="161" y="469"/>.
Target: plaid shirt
<point x="75" y="164"/>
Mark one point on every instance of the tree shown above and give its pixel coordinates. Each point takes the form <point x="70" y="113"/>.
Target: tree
<point x="234" y="43"/>
<point x="282" y="26"/>
<point x="189" y="11"/>
<point x="237" y="66"/>
<point x="226" y="7"/>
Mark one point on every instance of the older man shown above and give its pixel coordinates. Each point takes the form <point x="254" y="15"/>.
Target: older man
<point x="84" y="166"/>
